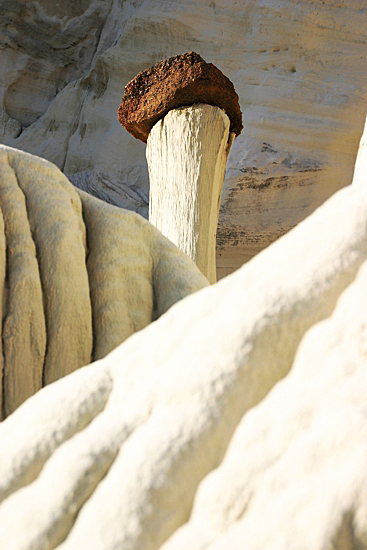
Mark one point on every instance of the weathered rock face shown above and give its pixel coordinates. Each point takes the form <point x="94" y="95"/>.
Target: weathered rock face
<point x="294" y="473"/>
<point x="79" y="276"/>
<point x="298" y="67"/>
<point x="118" y="453"/>
<point x="187" y="152"/>
<point x="45" y="46"/>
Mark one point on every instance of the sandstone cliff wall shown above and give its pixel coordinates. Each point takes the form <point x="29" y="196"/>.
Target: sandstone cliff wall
<point x="298" y="66"/>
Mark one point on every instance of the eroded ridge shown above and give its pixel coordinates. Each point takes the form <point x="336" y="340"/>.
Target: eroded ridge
<point x="78" y="276"/>
<point x="173" y="395"/>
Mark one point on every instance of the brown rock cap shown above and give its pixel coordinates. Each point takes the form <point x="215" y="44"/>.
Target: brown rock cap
<point x="176" y="82"/>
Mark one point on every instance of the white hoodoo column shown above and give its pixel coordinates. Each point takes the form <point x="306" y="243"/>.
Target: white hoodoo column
<point x="187" y="153"/>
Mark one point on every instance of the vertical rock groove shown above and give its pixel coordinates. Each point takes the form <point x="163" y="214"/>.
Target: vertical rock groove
<point x="47" y="329"/>
<point x="54" y="211"/>
<point x="2" y="308"/>
<point x="187" y="155"/>
<point x="120" y="274"/>
<point x="24" y="330"/>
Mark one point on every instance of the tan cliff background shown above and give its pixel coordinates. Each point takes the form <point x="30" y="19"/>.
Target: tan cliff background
<point x="299" y="67"/>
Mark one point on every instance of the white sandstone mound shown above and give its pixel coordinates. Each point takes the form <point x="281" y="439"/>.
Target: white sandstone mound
<point x="294" y="475"/>
<point x="79" y="277"/>
<point x="111" y="456"/>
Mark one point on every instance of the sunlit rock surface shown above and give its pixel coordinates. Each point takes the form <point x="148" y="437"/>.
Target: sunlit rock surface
<point x="117" y="453"/>
<point x="77" y="276"/>
<point x="294" y="475"/>
<point x="298" y="67"/>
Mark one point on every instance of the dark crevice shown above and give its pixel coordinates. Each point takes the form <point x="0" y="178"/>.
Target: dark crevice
<point x="4" y="316"/>
<point x="345" y="537"/>
<point x="72" y="131"/>
<point x="87" y="252"/>
<point x="99" y="92"/>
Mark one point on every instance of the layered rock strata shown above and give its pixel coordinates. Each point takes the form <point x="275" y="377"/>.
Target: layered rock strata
<point x="298" y="68"/>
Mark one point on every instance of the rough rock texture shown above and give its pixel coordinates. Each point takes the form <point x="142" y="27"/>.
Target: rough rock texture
<point x="294" y="475"/>
<point x="298" y="67"/>
<point x="79" y="276"/>
<point x="111" y="456"/>
<point x="180" y="81"/>
<point x="46" y="277"/>
<point x="187" y="154"/>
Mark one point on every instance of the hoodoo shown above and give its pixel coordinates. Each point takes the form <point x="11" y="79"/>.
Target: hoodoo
<point x="188" y="113"/>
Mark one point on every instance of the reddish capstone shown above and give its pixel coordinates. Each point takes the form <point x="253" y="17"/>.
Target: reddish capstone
<point x="176" y="82"/>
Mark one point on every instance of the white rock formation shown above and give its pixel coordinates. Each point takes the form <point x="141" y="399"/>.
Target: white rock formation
<point x="79" y="276"/>
<point x="299" y="69"/>
<point x="187" y="154"/>
<point x="111" y="456"/>
<point x="294" y="475"/>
